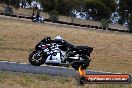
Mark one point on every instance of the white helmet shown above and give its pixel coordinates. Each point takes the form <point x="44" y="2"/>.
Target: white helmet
<point x="58" y="38"/>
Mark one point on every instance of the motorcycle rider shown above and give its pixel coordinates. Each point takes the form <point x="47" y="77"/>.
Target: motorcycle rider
<point x="69" y="47"/>
<point x="67" y="44"/>
<point x="58" y="38"/>
<point x="38" y="15"/>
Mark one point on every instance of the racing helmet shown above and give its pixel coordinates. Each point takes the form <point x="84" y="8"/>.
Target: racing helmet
<point x="48" y="38"/>
<point x="58" y="38"/>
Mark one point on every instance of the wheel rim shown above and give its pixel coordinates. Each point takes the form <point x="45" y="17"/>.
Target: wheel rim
<point x="37" y="57"/>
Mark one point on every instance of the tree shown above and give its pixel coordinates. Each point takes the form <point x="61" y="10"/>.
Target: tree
<point x="125" y="5"/>
<point x="29" y="2"/>
<point x="126" y="12"/>
<point x="14" y="3"/>
<point x="49" y="5"/>
<point x="130" y="24"/>
<point x="66" y="6"/>
<point x="125" y="8"/>
<point x="111" y="4"/>
<point x="101" y="9"/>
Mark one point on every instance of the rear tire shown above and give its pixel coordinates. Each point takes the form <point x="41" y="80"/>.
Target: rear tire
<point x="84" y="64"/>
<point x="75" y="65"/>
<point x="42" y="21"/>
<point x="37" y="60"/>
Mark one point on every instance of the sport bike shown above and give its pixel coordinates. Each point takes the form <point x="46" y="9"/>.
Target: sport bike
<point x="58" y="51"/>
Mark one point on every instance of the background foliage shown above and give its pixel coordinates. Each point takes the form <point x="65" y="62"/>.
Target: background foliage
<point x="100" y="9"/>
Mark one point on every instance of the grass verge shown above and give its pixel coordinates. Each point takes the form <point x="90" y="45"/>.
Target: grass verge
<point x="24" y="80"/>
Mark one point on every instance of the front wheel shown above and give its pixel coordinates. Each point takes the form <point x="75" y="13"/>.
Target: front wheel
<point x="37" y="58"/>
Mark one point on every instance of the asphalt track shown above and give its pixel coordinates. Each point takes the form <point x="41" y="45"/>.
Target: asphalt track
<point x="44" y="69"/>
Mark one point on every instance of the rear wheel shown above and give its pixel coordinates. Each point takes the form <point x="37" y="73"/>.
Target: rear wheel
<point x="84" y="63"/>
<point x="37" y="58"/>
<point x="42" y="21"/>
<point x="75" y="65"/>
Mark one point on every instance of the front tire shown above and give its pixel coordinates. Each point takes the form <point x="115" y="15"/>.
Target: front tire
<point x="37" y="58"/>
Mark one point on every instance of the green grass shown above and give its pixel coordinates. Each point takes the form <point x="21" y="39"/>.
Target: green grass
<point x="26" y="80"/>
<point x="3" y="75"/>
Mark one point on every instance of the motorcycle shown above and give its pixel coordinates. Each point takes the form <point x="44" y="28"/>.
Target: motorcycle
<point x="58" y="51"/>
<point x="38" y="19"/>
